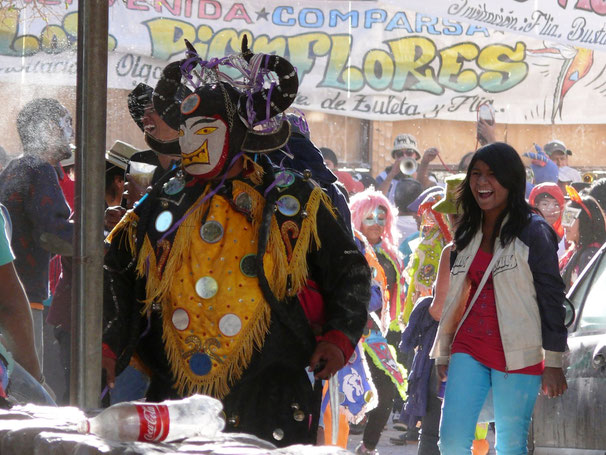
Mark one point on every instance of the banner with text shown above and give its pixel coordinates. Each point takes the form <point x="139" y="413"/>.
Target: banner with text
<point x="571" y="22"/>
<point x="361" y="59"/>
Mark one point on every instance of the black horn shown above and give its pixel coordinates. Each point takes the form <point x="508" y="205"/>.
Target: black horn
<point x="282" y="95"/>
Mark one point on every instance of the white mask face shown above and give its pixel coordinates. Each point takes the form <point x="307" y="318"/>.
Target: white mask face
<point x="204" y="145"/>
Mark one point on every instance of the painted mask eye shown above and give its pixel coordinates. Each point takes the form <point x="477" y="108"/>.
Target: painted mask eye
<point x="206" y="130"/>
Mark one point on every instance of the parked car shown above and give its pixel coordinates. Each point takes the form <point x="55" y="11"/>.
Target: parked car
<point x="573" y="424"/>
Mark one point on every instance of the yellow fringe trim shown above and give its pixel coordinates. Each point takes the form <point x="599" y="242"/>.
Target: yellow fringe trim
<point x="307" y="239"/>
<point x="217" y="382"/>
<point x="277" y="277"/>
<point x="128" y="224"/>
<point x="157" y="287"/>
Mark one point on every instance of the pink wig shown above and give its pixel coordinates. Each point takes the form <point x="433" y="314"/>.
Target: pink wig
<point x="364" y="203"/>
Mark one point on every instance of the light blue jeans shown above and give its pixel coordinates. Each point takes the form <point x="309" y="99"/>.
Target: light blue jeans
<point x="514" y="396"/>
<point x="24" y="388"/>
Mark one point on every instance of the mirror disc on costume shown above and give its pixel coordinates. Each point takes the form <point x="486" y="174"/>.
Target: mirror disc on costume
<point x="164" y="221"/>
<point x="211" y="231"/>
<point x="288" y="205"/>
<point x="298" y="415"/>
<point x="248" y="265"/>
<point x="174" y="186"/>
<point x="234" y="420"/>
<point x="180" y="319"/>
<point x="230" y="325"/>
<point x="200" y="364"/>
<point x="207" y="287"/>
<point x="278" y="434"/>
<point x="244" y="202"/>
<point x="284" y="179"/>
<point x="190" y="104"/>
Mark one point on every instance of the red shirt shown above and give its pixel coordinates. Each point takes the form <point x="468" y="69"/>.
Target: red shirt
<point x="479" y="336"/>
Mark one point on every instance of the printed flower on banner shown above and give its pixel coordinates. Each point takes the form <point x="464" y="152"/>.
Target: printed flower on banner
<point x="576" y="64"/>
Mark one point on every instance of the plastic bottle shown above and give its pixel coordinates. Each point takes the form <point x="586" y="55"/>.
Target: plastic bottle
<point x="198" y="415"/>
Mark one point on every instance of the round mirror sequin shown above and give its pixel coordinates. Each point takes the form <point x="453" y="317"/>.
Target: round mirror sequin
<point x="174" y="186"/>
<point x="248" y="265"/>
<point x="284" y="179"/>
<point x="244" y="202"/>
<point x="278" y="434"/>
<point x="180" y="319"/>
<point x="190" y="104"/>
<point x="298" y="415"/>
<point x="200" y="364"/>
<point x="234" y="420"/>
<point x="288" y="205"/>
<point x="230" y="325"/>
<point x="211" y="231"/>
<point x="164" y="221"/>
<point x="206" y="287"/>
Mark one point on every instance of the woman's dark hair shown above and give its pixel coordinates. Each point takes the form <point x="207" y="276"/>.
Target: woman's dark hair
<point x="598" y="191"/>
<point x="505" y="163"/>
<point x="591" y="230"/>
<point x="463" y="163"/>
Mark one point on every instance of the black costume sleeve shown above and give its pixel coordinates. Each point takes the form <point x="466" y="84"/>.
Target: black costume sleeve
<point x="343" y="275"/>
<point x="121" y="308"/>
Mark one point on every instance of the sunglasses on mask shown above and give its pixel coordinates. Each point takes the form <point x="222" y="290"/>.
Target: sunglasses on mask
<point x="569" y="216"/>
<point x="377" y="217"/>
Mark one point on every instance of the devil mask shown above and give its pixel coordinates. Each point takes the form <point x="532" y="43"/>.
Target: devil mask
<point x="218" y="120"/>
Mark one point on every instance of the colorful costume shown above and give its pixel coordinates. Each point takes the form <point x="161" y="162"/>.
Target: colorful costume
<point x="423" y="268"/>
<point x="203" y="277"/>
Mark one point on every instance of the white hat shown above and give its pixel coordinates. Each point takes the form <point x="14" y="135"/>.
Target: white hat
<point x="120" y="154"/>
<point x="406" y="142"/>
<point x="568" y="175"/>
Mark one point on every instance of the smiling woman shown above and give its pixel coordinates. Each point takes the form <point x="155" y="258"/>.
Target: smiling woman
<point x="512" y="340"/>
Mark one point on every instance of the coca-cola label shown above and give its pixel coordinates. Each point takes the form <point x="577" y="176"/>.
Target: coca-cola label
<point x="154" y="422"/>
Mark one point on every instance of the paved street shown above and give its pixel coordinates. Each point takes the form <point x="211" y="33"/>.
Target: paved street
<point x="386" y="448"/>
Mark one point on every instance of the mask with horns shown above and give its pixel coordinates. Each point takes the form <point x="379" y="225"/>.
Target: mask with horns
<point x="223" y="117"/>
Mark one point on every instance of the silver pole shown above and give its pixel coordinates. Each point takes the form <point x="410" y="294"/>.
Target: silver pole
<point x="87" y="291"/>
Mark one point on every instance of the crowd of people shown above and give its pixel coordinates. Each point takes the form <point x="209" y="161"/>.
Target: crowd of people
<point x="250" y="268"/>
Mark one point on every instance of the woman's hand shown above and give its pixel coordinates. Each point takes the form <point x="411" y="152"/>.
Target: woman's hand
<point x="553" y="382"/>
<point x="443" y="372"/>
<point x="486" y="132"/>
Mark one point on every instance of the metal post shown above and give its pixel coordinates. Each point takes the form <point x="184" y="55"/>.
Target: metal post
<point x="87" y="291"/>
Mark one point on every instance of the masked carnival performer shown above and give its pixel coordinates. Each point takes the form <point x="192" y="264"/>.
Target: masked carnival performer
<point x="374" y="217"/>
<point x="203" y="276"/>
